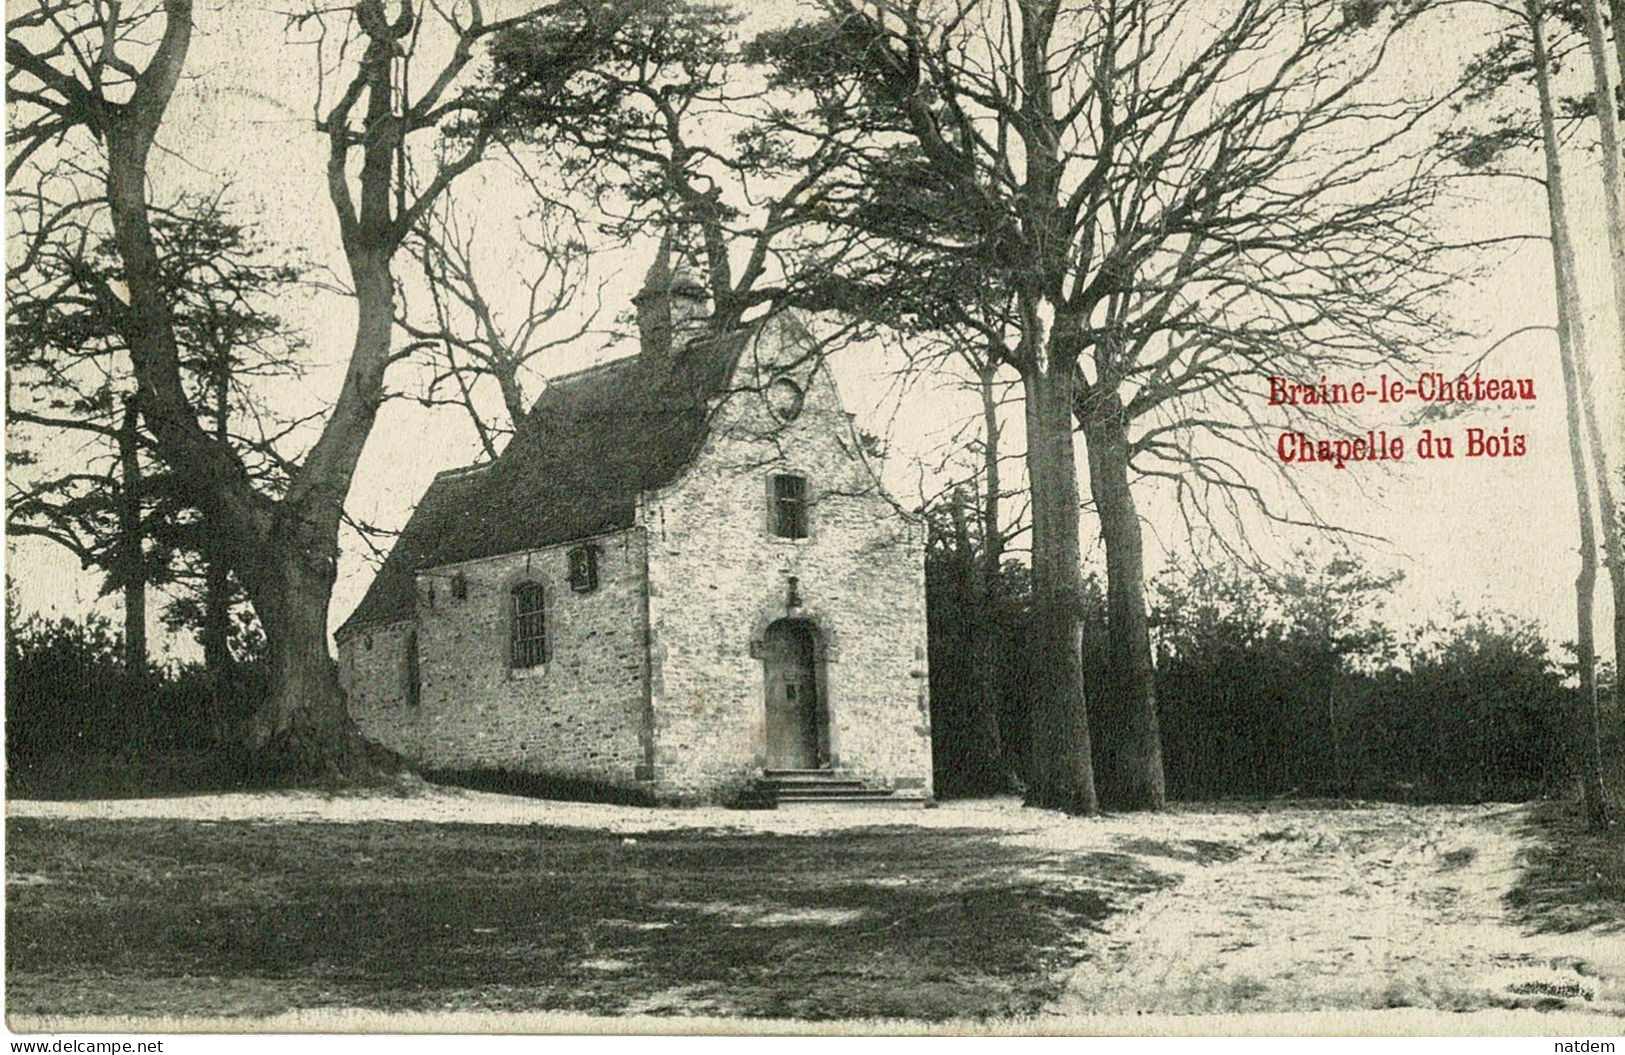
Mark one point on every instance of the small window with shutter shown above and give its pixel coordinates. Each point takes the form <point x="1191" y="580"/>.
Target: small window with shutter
<point x="789" y="511"/>
<point x="529" y="626"/>
<point x="584" y="569"/>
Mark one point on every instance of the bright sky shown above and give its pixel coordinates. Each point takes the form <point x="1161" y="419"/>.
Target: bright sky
<point x="1487" y="532"/>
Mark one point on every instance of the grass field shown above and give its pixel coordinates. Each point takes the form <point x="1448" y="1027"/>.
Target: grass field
<point x="244" y="918"/>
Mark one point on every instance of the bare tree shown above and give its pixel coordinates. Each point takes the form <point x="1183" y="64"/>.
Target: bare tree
<point x="1571" y="349"/>
<point x="112" y="72"/>
<point x="468" y="338"/>
<point x="1481" y="147"/>
<point x="1613" y="187"/>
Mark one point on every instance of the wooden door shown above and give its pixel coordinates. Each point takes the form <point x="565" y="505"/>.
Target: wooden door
<point x="792" y="697"/>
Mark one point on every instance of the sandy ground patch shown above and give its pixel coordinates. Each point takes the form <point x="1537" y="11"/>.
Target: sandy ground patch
<point x="435" y="804"/>
<point x="1380" y="906"/>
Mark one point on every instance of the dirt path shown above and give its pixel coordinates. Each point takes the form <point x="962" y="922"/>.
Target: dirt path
<point x="1375" y="907"/>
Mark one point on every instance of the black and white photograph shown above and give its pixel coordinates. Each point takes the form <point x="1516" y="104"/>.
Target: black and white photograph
<point x="1095" y="518"/>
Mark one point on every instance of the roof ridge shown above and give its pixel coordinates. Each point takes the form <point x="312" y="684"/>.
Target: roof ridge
<point x="575" y="375"/>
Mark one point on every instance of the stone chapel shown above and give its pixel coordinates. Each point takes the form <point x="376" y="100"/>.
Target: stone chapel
<point x="681" y="580"/>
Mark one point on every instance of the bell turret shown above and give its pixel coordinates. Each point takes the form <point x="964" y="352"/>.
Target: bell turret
<point x="673" y="304"/>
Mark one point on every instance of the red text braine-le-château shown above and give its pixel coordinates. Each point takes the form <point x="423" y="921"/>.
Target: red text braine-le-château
<point x="1428" y="388"/>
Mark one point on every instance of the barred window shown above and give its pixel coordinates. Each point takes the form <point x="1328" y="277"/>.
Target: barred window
<point x="529" y="626"/>
<point x="584" y="569"/>
<point x="790" y="506"/>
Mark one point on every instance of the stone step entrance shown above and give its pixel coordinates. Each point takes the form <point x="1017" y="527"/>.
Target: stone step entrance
<point x="791" y="787"/>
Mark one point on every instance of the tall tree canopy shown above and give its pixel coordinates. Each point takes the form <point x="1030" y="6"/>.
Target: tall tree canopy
<point x="82" y="471"/>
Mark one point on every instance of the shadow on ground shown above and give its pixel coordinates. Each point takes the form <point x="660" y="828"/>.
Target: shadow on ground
<point x="1571" y="879"/>
<point x="243" y="918"/>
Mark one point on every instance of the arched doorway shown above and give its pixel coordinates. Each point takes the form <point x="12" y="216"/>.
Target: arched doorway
<point x="791" y="680"/>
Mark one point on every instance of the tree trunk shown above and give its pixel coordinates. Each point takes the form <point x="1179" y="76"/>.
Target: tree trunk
<point x="1586" y="732"/>
<point x="991" y="584"/>
<point x="1614" y="196"/>
<point x="1616" y="15"/>
<point x="1613" y="546"/>
<point x="1062" y="771"/>
<point x="216" y="575"/>
<point x="1608" y="128"/>
<point x="983" y="755"/>
<point x="1336" y="738"/>
<point x="216" y="635"/>
<point x="132" y="561"/>
<point x="1587" y="727"/>
<point x="513" y="396"/>
<point x="1128" y="742"/>
<point x="302" y="732"/>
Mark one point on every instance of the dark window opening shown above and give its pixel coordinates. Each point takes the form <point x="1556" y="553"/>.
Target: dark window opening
<point x="414" y="674"/>
<point x="529" y="626"/>
<point x="790" y="506"/>
<point x="459" y="586"/>
<point x="584" y="569"/>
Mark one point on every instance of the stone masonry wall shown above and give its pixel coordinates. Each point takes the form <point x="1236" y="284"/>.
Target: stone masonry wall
<point x="719" y="577"/>
<point x="373" y="669"/>
<point x="580" y="715"/>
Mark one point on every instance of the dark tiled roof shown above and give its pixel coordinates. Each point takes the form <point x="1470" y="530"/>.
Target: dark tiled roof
<point x="592" y="443"/>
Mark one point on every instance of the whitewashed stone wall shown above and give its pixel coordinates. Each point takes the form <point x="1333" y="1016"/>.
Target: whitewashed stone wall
<point x="719" y="577"/>
<point x="374" y="670"/>
<point x="581" y="715"/>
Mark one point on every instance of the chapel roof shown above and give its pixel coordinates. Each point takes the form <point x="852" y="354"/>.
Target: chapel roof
<point x="592" y="443"/>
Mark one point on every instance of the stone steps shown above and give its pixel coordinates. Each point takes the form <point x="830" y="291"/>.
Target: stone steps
<point x="818" y="787"/>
